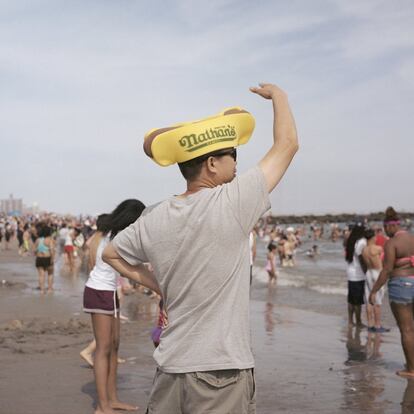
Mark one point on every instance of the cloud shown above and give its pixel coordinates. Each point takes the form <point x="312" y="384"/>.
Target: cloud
<point x="378" y="29"/>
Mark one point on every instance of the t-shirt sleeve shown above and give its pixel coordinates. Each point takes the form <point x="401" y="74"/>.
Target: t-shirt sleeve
<point x="248" y="198"/>
<point x="128" y="244"/>
<point x="360" y="246"/>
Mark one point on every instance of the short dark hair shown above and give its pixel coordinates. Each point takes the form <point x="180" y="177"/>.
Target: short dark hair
<point x="44" y="231"/>
<point x="191" y="169"/>
<point x="369" y="234"/>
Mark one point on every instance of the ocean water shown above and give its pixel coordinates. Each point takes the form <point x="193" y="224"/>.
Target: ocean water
<point x="317" y="284"/>
<point x="325" y="273"/>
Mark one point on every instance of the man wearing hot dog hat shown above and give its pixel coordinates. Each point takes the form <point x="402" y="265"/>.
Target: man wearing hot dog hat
<point x="198" y="245"/>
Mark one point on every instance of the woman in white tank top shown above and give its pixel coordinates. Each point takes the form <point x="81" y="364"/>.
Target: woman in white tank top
<point x="101" y="301"/>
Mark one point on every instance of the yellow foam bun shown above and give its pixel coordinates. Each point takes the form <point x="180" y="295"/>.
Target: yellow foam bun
<point x="185" y="141"/>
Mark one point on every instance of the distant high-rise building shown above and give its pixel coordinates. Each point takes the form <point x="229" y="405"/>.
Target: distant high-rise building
<point x="11" y="206"/>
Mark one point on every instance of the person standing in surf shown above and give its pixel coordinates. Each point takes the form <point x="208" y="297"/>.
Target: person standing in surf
<point x="355" y="273"/>
<point x="398" y="270"/>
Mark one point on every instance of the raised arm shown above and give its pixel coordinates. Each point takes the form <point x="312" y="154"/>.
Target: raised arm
<point x="285" y="140"/>
<point x="138" y="273"/>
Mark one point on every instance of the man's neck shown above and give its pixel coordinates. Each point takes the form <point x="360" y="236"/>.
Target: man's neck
<point x="197" y="185"/>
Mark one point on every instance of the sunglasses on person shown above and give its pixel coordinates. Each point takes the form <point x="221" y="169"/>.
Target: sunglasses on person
<point x="232" y="152"/>
<point x="220" y="153"/>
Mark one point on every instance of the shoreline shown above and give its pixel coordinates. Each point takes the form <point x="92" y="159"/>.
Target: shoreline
<point x="327" y="218"/>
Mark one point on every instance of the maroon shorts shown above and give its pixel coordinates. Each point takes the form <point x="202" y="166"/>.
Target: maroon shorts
<point x="100" y="301"/>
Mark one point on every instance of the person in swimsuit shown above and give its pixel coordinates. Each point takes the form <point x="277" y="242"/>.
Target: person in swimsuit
<point x="20" y="237"/>
<point x="290" y="246"/>
<point x="26" y="239"/>
<point x="62" y="233"/>
<point x="44" y="250"/>
<point x="372" y="255"/>
<point x="33" y="233"/>
<point x="281" y="249"/>
<point x="271" y="263"/>
<point x="8" y="233"/>
<point x="69" y="249"/>
<point x="101" y="301"/>
<point x="92" y="245"/>
<point x="398" y="270"/>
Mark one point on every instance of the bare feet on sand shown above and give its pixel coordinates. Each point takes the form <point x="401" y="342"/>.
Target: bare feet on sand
<point x="105" y="411"/>
<point x="118" y="405"/>
<point x="87" y="357"/>
<point x="406" y="374"/>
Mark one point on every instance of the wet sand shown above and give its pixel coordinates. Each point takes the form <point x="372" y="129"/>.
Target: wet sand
<point x="306" y="361"/>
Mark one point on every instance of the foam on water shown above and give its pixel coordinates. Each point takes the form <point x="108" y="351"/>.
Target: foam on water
<point x="288" y="280"/>
<point x="330" y="290"/>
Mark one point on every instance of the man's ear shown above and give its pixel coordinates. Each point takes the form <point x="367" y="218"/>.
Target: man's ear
<point x="210" y="165"/>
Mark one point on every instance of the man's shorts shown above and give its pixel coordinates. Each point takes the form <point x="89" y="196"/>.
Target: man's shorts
<point x="372" y="276"/>
<point x="230" y="391"/>
<point x="401" y="290"/>
<point x="356" y="292"/>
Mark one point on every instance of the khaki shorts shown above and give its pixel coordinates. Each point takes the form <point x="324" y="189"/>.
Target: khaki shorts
<point x="214" y="392"/>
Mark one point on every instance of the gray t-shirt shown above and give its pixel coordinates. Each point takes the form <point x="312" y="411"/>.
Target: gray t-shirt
<point x="199" y="249"/>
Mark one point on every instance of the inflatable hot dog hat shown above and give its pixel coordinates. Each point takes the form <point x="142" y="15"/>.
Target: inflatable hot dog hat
<point x="186" y="141"/>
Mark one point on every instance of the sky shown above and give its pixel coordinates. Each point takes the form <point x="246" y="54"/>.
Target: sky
<point x="82" y="81"/>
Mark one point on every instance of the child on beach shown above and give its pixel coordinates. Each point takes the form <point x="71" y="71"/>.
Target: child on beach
<point x="45" y="249"/>
<point x="92" y="246"/>
<point x="313" y="252"/>
<point x="101" y="301"/>
<point x="271" y="262"/>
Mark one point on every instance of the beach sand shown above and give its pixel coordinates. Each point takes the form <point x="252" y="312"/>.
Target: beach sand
<point x="306" y="359"/>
